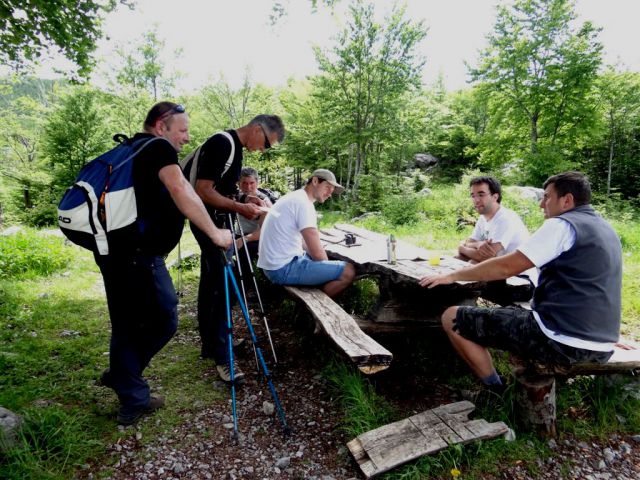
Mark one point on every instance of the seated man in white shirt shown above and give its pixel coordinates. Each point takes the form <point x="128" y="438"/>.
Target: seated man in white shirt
<point x="290" y="251"/>
<point x="575" y="314"/>
<point x="498" y="230"/>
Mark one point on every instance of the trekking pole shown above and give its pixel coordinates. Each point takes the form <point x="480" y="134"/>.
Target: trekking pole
<point x="237" y="254"/>
<point x="230" y="347"/>
<point x="255" y="286"/>
<point x="254" y="339"/>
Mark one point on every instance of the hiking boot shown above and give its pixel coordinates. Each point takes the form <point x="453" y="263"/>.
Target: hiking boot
<point x="224" y="372"/>
<point x="129" y="418"/>
<point x="105" y="379"/>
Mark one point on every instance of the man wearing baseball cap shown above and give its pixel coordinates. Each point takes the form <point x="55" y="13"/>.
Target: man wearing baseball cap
<point x="290" y="251"/>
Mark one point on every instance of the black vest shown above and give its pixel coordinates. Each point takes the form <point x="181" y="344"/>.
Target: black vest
<point x="579" y="292"/>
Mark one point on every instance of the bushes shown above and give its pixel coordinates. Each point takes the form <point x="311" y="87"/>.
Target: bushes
<point x="27" y="254"/>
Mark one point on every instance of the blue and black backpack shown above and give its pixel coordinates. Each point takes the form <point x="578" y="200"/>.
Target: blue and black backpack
<point x="99" y="212"/>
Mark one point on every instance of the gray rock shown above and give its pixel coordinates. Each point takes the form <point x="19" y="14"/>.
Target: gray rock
<point x="424" y="160"/>
<point x="11" y="231"/>
<point x="425" y="192"/>
<point x="609" y="455"/>
<point x="178" y="468"/>
<point x="510" y="436"/>
<point x="10" y="423"/>
<point x="268" y="408"/>
<point x="583" y="445"/>
<point x="635" y="438"/>
<point x="364" y="216"/>
<point x="552" y="444"/>
<point x="602" y="465"/>
<point x="531" y="193"/>
<point x="283" y="462"/>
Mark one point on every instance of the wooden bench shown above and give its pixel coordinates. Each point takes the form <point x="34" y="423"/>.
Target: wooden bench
<point x="536" y="383"/>
<point x="368" y="355"/>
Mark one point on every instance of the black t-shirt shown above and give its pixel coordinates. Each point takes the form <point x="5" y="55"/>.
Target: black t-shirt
<point x="213" y="158"/>
<point x="159" y="219"/>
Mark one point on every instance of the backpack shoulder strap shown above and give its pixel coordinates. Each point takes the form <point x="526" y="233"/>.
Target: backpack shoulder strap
<point x="194" y="158"/>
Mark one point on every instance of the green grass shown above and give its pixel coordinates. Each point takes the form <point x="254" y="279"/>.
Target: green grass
<point x="54" y="334"/>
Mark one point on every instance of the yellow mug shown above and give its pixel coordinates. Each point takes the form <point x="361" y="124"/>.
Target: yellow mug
<point x="434" y="260"/>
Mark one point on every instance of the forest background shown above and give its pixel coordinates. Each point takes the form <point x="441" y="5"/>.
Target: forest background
<point x="541" y="101"/>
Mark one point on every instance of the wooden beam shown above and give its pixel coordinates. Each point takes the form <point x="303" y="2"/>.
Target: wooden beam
<point x="387" y="447"/>
<point x="369" y="356"/>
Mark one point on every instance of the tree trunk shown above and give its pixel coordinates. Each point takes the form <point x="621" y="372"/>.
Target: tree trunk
<point x="611" y="147"/>
<point x="27" y="197"/>
<point x="534" y="133"/>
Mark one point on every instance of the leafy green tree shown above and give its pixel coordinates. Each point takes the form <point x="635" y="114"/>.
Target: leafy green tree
<point x="620" y="106"/>
<point x="75" y="133"/>
<point x="539" y="71"/>
<point x="28" y="28"/>
<point x="364" y="86"/>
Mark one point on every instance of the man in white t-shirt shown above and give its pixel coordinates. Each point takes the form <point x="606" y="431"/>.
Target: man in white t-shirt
<point x="498" y="230"/>
<point x="290" y="251"/>
<point x="575" y="314"/>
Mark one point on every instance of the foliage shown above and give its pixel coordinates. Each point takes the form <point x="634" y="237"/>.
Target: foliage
<point x="29" y="27"/>
<point x="364" y="410"/>
<point x="52" y="443"/>
<point x="28" y="254"/>
<point x="361" y="94"/>
<point x="75" y="133"/>
<point x="539" y="71"/>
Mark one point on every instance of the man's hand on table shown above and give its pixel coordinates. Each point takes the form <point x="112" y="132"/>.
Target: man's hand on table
<point x="431" y="281"/>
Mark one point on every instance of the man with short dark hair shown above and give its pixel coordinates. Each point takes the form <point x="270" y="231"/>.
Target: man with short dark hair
<point x="575" y="314"/>
<point x="141" y="298"/>
<point x="290" y="251"/>
<point x="498" y="230"/>
<point x="219" y="165"/>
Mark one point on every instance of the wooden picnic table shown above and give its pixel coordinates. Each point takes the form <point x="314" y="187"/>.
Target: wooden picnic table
<point x="404" y="305"/>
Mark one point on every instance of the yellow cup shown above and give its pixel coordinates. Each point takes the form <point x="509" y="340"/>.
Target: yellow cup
<point x="434" y="260"/>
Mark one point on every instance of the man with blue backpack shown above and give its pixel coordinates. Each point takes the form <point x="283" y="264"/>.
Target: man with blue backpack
<point x="130" y="253"/>
<point x="214" y="169"/>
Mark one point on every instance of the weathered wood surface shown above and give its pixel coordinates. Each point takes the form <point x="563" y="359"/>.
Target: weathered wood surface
<point x="387" y="447"/>
<point x="370" y="257"/>
<point x="369" y="356"/>
<point x="536" y="384"/>
<point x="623" y="360"/>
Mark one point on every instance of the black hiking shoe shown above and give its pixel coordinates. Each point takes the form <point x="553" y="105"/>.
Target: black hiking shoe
<point x="129" y="418"/>
<point x="105" y="379"/>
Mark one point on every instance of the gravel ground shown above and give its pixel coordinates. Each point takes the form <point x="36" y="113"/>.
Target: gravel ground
<point x="202" y="447"/>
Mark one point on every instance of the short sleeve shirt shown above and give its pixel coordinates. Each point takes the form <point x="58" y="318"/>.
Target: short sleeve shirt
<point x="159" y="219"/>
<point x="281" y="237"/>
<point x="213" y="158"/>
<point x="505" y="228"/>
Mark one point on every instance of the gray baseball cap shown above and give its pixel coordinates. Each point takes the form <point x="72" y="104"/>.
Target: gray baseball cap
<point x="329" y="177"/>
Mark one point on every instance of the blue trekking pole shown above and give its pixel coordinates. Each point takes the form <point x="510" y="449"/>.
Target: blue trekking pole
<point x="230" y="346"/>
<point x="228" y="269"/>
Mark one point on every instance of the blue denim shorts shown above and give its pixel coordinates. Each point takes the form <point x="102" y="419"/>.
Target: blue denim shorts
<point x="305" y="271"/>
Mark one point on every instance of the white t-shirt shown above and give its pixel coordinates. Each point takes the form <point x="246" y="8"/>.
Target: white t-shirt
<point x="505" y="227"/>
<point x="553" y="238"/>
<point x="280" y="237"/>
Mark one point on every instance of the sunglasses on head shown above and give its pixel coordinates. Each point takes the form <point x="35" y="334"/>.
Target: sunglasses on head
<point x="267" y="143"/>
<point x="172" y="111"/>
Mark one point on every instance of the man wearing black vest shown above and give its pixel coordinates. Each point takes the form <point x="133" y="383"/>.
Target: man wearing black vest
<point x="575" y="314"/>
<point x="219" y="164"/>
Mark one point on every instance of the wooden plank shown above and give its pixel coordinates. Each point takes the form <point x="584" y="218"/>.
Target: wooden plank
<point x="622" y="360"/>
<point x="342" y="329"/>
<point x="387" y="447"/>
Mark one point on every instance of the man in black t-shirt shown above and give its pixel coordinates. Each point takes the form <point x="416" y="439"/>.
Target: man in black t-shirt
<point x="141" y="298"/>
<point x="216" y="185"/>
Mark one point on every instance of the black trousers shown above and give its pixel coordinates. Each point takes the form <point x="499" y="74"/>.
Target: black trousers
<point x="212" y="310"/>
<point x="143" y="311"/>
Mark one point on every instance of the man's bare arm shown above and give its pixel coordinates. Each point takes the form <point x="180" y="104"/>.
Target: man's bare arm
<point x="313" y="244"/>
<point x="498" y="268"/>
<point x="190" y="204"/>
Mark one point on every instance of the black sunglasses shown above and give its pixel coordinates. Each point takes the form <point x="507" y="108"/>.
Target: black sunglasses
<point x="173" y="110"/>
<point x="267" y="143"/>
